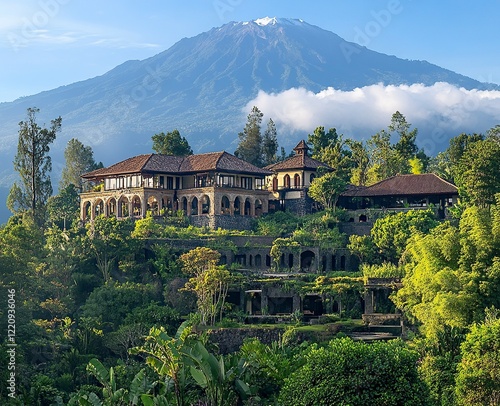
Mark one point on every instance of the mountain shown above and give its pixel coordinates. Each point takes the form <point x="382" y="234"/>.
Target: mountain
<point x="200" y="86"/>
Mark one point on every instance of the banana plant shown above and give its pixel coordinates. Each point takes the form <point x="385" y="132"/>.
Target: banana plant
<point x="221" y="380"/>
<point x="166" y="356"/>
<point x="111" y="394"/>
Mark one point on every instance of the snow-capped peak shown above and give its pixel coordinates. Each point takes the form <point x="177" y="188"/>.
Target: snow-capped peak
<point x="266" y="21"/>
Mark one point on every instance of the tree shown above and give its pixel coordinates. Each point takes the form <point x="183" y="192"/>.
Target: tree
<point x="478" y="378"/>
<point x="64" y="206"/>
<point x="198" y="260"/>
<point x="476" y="173"/>
<point x="453" y="273"/>
<point x="391" y="233"/>
<point x="331" y="149"/>
<point x="108" y="240"/>
<point x="326" y="190"/>
<point x="250" y="145"/>
<point x="270" y="144"/>
<point x="406" y="146"/>
<point x="171" y="143"/>
<point x="361" y="161"/>
<point x="210" y="282"/>
<point x="354" y="373"/>
<point x="79" y="160"/>
<point x="33" y="164"/>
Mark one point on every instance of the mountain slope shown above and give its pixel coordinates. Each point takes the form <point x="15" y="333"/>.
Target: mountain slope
<point x="201" y="84"/>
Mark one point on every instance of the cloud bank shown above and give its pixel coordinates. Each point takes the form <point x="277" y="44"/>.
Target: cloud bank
<point x="440" y="111"/>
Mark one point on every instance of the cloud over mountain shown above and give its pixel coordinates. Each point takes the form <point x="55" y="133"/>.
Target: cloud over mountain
<point x="438" y="111"/>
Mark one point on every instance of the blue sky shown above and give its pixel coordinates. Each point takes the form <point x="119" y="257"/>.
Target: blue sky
<point x="48" y="43"/>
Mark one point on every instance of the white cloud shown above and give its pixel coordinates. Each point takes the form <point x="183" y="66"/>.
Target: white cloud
<point x="439" y="111"/>
<point x="41" y="23"/>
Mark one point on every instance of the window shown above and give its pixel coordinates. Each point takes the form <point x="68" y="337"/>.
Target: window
<point x="226" y="181"/>
<point x="286" y="181"/>
<point x="246" y="183"/>
<point x="170" y="182"/>
<point x="260" y="183"/>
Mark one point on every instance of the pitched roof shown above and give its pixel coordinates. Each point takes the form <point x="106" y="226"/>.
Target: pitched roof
<point x="301" y="161"/>
<point x="154" y="163"/>
<point x="404" y="185"/>
<point x="130" y="165"/>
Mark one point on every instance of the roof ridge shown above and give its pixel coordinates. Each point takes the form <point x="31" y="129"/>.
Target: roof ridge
<point x="147" y="160"/>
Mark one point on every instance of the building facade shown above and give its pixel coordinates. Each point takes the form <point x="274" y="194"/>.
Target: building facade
<point x="209" y="186"/>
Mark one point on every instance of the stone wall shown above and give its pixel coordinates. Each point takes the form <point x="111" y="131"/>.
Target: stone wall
<point x="223" y="221"/>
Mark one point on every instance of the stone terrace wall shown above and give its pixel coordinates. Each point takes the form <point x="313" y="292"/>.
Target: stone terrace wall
<point x="223" y="221"/>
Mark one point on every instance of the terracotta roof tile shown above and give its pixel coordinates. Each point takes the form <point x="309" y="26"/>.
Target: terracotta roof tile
<point x="212" y="161"/>
<point x="130" y="165"/>
<point x="404" y="185"/>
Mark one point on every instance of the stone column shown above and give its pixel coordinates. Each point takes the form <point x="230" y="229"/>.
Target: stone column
<point x="368" y="301"/>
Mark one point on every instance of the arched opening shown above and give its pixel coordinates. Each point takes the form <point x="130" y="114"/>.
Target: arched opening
<point x="184" y="205"/>
<point x="275" y="184"/>
<point x="136" y="206"/>
<point x="123" y="210"/>
<point x="223" y="260"/>
<point x="258" y="261"/>
<point x="237" y="205"/>
<point x="258" y="208"/>
<point x="247" y="208"/>
<point x="225" y="208"/>
<point x="334" y="262"/>
<point x="194" y="206"/>
<point x="286" y="181"/>
<point x="111" y="207"/>
<point x="296" y="180"/>
<point x="87" y="208"/>
<point x="290" y="261"/>
<point x="311" y="177"/>
<point x="342" y="262"/>
<point x="323" y="263"/>
<point x="351" y="219"/>
<point x="153" y="205"/>
<point x="250" y="260"/>
<point x="363" y="218"/>
<point x="205" y="205"/>
<point x="307" y="260"/>
<point x="268" y="260"/>
<point x="98" y="208"/>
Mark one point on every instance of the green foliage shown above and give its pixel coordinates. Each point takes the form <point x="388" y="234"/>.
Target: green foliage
<point x="270" y="364"/>
<point x="391" y="233"/>
<point x="453" y="274"/>
<point x="250" y="146"/>
<point x="79" y="160"/>
<point x="364" y="248"/>
<point x="270" y="144"/>
<point x="353" y="373"/>
<point x="171" y="143"/>
<point x="112" y="302"/>
<point x="477" y="173"/>
<point x="478" y="378"/>
<point x="34" y="165"/>
<point x="277" y="224"/>
<point x="64" y="208"/>
<point x="109" y="240"/>
<point x="326" y="190"/>
<point x="384" y="270"/>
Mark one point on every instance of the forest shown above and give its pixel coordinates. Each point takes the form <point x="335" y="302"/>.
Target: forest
<point x="103" y="313"/>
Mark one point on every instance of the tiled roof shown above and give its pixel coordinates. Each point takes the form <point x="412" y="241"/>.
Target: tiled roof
<point x="297" y="162"/>
<point x="153" y="163"/>
<point x="130" y="165"/>
<point x="404" y="185"/>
